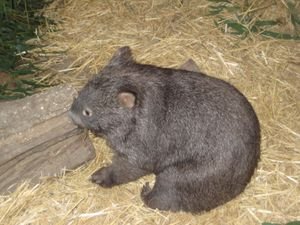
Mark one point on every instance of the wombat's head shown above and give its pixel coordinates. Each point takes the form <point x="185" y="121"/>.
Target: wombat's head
<point x="108" y="100"/>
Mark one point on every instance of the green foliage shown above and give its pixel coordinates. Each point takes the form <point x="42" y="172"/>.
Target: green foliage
<point x="295" y="15"/>
<point x="19" y="20"/>
<point x="23" y="87"/>
<point x="243" y="23"/>
<point x="219" y="6"/>
<point x="290" y="223"/>
<point x="294" y="223"/>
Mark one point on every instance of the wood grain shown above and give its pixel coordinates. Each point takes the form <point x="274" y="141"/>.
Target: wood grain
<point x="37" y="138"/>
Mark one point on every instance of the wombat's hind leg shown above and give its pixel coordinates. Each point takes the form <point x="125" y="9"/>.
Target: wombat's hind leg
<point x="119" y="172"/>
<point x="162" y="196"/>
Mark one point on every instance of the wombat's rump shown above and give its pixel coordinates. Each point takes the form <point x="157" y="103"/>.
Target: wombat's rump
<point x="199" y="135"/>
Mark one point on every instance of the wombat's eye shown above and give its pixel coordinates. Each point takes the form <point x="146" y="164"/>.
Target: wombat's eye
<point x="87" y="112"/>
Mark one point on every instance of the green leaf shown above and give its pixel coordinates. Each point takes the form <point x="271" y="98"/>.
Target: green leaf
<point x="295" y="19"/>
<point x="7" y="63"/>
<point x="219" y="1"/>
<point x="261" y="23"/>
<point x="9" y="97"/>
<point x="221" y="6"/>
<point x="233" y="8"/>
<point x="280" y="35"/>
<point x="34" y="83"/>
<point x="239" y="28"/>
<point x="267" y="223"/>
<point x="213" y="12"/>
<point x="3" y="87"/>
<point x="294" y="223"/>
<point x="22" y="72"/>
<point x="217" y="7"/>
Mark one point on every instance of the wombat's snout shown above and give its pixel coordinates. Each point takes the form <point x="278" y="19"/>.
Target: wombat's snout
<point x="76" y="119"/>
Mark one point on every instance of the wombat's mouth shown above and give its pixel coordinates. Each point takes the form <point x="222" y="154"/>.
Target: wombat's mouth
<point x="97" y="133"/>
<point x="76" y="119"/>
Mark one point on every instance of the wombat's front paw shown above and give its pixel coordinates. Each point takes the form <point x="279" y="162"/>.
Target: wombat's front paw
<point x="103" y="177"/>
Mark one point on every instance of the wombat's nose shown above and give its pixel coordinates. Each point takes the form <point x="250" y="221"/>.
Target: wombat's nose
<point x="75" y="119"/>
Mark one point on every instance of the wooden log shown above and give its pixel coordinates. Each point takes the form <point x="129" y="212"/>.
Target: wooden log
<point x="37" y="138"/>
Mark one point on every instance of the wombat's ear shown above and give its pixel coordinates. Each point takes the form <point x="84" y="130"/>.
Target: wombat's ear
<point x="126" y="99"/>
<point x="122" y="56"/>
<point x="190" y="65"/>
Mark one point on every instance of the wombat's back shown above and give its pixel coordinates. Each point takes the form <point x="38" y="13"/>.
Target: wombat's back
<point x="197" y="114"/>
<point x="209" y="125"/>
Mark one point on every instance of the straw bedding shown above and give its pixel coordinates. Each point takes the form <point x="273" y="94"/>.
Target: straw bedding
<point x="166" y="33"/>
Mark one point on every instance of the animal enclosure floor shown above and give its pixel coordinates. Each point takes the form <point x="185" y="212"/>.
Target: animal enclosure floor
<point x="167" y="33"/>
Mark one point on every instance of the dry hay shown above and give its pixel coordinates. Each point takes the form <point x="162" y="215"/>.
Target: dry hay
<point x="166" y="33"/>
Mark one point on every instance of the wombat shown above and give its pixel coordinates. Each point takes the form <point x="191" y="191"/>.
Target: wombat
<point x="198" y="134"/>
